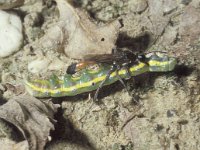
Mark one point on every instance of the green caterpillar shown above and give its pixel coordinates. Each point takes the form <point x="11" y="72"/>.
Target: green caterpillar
<point x="90" y="77"/>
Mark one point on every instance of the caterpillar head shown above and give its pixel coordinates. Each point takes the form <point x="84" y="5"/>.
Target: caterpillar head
<point x="160" y="62"/>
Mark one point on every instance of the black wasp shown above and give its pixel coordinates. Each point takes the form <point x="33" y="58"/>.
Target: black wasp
<point x="117" y="60"/>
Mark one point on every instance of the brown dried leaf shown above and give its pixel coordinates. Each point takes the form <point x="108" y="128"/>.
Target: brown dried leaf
<point x="32" y="117"/>
<point x="77" y="35"/>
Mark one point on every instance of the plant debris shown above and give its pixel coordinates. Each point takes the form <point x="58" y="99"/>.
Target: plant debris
<point x="32" y="117"/>
<point x="77" y="35"/>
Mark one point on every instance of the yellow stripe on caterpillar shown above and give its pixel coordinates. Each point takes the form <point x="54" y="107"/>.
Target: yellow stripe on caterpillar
<point x="83" y="85"/>
<point x="158" y="63"/>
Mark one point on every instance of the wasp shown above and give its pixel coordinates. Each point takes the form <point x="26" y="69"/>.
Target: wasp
<point x="117" y="60"/>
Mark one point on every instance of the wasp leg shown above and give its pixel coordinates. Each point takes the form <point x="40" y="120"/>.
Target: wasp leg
<point x="128" y="72"/>
<point x="122" y="82"/>
<point x="113" y="68"/>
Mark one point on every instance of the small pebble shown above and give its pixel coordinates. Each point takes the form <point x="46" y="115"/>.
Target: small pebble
<point x="171" y="113"/>
<point x="11" y="36"/>
<point x="39" y="65"/>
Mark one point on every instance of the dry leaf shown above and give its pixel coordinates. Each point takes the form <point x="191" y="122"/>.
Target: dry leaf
<point x="77" y="35"/>
<point x="32" y="117"/>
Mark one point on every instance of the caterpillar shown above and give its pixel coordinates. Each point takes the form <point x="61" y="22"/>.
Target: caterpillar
<point x="89" y="78"/>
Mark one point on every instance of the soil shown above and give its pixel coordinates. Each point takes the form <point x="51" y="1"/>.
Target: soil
<point x="163" y="111"/>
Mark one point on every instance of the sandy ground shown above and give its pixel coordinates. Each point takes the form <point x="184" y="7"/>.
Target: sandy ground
<point x="166" y="115"/>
